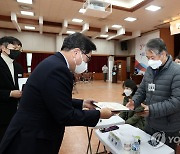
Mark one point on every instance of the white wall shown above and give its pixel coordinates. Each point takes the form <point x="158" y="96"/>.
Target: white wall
<point x="33" y="41"/>
<point x="103" y="47"/>
<point x="140" y="43"/>
<point x="118" y="50"/>
<point x="59" y="42"/>
<point x="51" y="42"/>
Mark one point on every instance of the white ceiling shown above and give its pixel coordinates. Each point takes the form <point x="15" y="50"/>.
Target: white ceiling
<point x="54" y="12"/>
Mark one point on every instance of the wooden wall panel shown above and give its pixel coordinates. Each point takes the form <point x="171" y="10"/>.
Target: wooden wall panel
<point x="168" y="39"/>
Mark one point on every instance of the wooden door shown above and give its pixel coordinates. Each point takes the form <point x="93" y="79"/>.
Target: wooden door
<point x="122" y="73"/>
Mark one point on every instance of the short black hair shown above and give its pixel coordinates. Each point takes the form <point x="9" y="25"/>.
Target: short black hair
<point x="130" y="84"/>
<point x="178" y="57"/>
<point x="78" y="40"/>
<point x="156" y="45"/>
<point x="9" y="40"/>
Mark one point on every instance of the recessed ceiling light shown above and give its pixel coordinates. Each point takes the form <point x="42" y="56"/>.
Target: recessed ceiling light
<point x="77" y="20"/>
<point x="131" y="19"/>
<point x="153" y="8"/>
<point x="29" y="27"/>
<point x="70" y="32"/>
<point x="116" y="26"/>
<point x="25" y="1"/>
<point x="104" y="36"/>
<point x="82" y="10"/>
<point x="27" y="13"/>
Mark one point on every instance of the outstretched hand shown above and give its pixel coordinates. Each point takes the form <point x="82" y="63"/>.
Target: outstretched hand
<point x="145" y="113"/>
<point x="130" y="104"/>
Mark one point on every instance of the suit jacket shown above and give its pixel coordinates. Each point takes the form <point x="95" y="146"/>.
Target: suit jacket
<point x="8" y="105"/>
<point x="46" y="107"/>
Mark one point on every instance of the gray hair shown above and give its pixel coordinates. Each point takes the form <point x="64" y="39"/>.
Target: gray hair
<point x="156" y="45"/>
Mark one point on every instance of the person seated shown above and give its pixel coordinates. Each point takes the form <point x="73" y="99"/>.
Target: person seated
<point x="177" y="59"/>
<point x="130" y="117"/>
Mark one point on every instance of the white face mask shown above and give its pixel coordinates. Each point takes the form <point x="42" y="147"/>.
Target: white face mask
<point x="127" y="92"/>
<point x="155" y="63"/>
<point x="81" y="67"/>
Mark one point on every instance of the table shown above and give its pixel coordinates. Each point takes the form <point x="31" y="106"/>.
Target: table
<point x="114" y="120"/>
<point x="145" y="148"/>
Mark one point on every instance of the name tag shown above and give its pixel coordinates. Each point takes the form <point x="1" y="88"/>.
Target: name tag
<point x="19" y="75"/>
<point x="151" y="87"/>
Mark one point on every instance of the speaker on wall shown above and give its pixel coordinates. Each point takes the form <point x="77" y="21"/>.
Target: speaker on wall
<point x="124" y="45"/>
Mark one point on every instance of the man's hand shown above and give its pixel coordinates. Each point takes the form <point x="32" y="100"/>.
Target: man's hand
<point x="105" y="113"/>
<point x="16" y="93"/>
<point x="130" y="104"/>
<point x="89" y="104"/>
<point x="145" y="113"/>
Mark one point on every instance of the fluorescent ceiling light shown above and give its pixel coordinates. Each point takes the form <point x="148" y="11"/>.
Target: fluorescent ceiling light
<point x="25" y="1"/>
<point x="131" y="19"/>
<point x="77" y="20"/>
<point x="124" y="3"/>
<point x="70" y="32"/>
<point x="116" y="26"/>
<point x="27" y="13"/>
<point x="104" y="36"/>
<point x="153" y="8"/>
<point x="29" y="27"/>
<point x="82" y="10"/>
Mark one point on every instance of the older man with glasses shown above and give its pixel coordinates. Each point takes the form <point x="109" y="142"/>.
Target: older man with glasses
<point x="46" y="106"/>
<point x="160" y="92"/>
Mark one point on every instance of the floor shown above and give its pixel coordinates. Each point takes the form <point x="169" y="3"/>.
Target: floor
<point x="75" y="139"/>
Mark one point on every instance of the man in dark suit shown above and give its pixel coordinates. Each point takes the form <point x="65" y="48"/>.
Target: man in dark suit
<point x="46" y="106"/>
<point x="9" y="70"/>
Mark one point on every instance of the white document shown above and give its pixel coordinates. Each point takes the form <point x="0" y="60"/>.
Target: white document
<point x="113" y="105"/>
<point x="21" y="82"/>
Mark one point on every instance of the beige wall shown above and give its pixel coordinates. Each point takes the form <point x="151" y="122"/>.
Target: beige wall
<point x="33" y="41"/>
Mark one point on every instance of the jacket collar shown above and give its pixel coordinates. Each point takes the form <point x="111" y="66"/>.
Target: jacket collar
<point x="61" y="56"/>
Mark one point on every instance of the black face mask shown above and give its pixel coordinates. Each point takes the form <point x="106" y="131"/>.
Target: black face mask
<point x="14" y="54"/>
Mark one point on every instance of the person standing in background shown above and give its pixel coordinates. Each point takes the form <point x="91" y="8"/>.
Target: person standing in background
<point x="9" y="69"/>
<point x="105" y="72"/>
<point x="47" y="106"/>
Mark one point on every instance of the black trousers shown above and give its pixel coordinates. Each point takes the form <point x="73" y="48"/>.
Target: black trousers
<point x="105" y="77"/>
<point x="2" y="131"/>
<point x="171" y="137"/>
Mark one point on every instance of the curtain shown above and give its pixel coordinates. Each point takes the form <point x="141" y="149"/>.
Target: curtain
<point x="37" y="58"/>
<point x="22" y="60"/>
<point x="96" y="63"/>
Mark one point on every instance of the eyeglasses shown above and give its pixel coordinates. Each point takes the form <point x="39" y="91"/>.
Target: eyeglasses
<point x="89" y="58"/>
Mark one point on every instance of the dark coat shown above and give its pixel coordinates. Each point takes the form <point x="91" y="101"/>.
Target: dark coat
<point x="46" y="107"/>
<point x="164" y="102"/>
<point x="8" y="105"/>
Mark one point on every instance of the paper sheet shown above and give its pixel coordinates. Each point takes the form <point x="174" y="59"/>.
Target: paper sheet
<point x="21" y="82"/>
